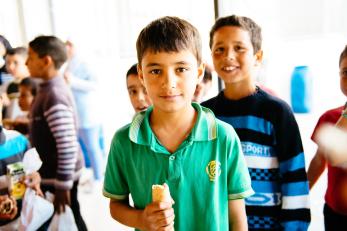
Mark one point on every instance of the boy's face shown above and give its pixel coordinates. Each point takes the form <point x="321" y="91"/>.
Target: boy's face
<point x="25" y="98"/>
<point x="35" y="64"/>
<point x="170" y="78"/>
<point x="137" y="93"/>
<point x="343" y="76"/>
<point x="15" y="65"/>
<point x="233" y="55"/>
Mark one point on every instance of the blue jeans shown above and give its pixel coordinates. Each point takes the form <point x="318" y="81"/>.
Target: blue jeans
<point x="89" y="139"/>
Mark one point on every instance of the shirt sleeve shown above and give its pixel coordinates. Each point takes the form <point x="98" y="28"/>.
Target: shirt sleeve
<point x="239" y="181"/>
<point x="60" y="119"/>
<point x="295" y="210"/>
<point x="115" y="186"/>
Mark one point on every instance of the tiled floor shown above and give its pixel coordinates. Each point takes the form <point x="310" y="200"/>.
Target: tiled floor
<point x="96" y="211"/>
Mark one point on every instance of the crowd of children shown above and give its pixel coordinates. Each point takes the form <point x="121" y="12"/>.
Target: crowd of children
<point x="235" y="161"/>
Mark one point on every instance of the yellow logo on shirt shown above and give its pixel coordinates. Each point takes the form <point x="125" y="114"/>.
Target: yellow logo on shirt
<point x="213" y="170"/>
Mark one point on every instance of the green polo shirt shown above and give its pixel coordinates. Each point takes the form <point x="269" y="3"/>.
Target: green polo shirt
<point x="206" y="171"/>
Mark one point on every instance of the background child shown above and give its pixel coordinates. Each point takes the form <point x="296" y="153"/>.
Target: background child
<point x="4" y="47"/>
<point x="266" y="126"/>
<point x="335" y="208"/>
<point x="15" y="65"/>
<point x="53" y="126"/>
<point x="27" y="91"/>
<point x="13" y="145"/>
<point x="176" y="142"/>
<point x="137" y="92"/>
<point x="83" y="83"/>
<point x="204" y="86"/>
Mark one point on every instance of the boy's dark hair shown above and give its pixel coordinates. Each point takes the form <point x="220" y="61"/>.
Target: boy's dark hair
<point x="22" y="51"/>
<point x="51" y="46"/>
<point x="5" y="42"/>
<point x="29" y="83"/>
<point x="132" y="70"/>
<point x="207" y="75"/>
<point x="343" y="55"/>
<point x="168" y="34"/>
<point x="245" y="23"/>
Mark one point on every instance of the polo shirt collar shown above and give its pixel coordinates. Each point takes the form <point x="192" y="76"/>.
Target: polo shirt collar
<point x="205" y="127"/>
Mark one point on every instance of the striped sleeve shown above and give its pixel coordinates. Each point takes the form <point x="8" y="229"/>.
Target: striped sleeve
<point x="61" y="122"/>
<point x="295" y="210"/>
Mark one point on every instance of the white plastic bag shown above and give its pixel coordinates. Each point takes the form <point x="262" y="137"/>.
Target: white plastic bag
<point x="63" y="221"/>
<point x="35" y="211"/>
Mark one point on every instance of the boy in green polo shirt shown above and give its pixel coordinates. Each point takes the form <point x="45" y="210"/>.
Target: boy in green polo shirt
<point x="176" y="142"/>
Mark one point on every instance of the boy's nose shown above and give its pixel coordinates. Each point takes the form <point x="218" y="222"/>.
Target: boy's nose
<point x="170" y="80"/>
<point x="141" y="96"/>
<point x="230" y="54"/>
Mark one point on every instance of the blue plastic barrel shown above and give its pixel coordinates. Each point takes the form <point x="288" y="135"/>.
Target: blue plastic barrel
<point x="301" y="89"/>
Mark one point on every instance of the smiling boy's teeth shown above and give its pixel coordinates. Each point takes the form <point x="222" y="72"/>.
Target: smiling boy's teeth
<point x="228" y="68"/>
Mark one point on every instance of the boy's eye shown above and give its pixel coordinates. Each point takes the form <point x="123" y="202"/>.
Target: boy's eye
<point x="343" y="73"/>
<point x="155" y="72"/>
<point x="239" y="48"/>
<point x="219" y="50"/>
<point x="182" y="69"/>
<point x="132" y="92"/>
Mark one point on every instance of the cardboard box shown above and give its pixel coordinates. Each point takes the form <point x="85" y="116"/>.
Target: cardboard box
<point x="15" y="174"/>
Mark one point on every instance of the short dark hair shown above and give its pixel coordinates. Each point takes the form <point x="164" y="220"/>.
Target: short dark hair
<point x="132" y="70"/>
<point x="169" y="34"/>
<point x="343" y="55"/>
<point x="245" y="23"/>
<point x="5" y="42"/>
<point x="30" y="83"/>
<point x="207" y="75"/>
<point x="51" y="46"/>
<point x="22" y="51"/>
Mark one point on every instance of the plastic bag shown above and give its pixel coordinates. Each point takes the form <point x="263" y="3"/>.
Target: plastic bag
<point x="63" y="221"/>
<point x="35" y="211"/>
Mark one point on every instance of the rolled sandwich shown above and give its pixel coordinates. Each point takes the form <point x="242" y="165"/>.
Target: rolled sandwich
<point x="161" y="193"/>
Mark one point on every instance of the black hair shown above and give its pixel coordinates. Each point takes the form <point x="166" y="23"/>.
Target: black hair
<point x="245" y="23"/>
<point x="168" y="34"/>
<point x="30" y="83"/>
<point x="22" y="51"/>
<point x="50" y="46"/>
<point x="343" y="55"/>
<point x="132" y="70"/>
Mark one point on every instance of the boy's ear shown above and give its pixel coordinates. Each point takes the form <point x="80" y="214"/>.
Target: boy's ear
<point x="140" y="73"/>
<point x="258" y="57"/>
<point x="201" y="72"/>
<point x="47" y="60"/>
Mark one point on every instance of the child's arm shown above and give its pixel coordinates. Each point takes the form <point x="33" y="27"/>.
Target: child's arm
<point x="60" y="119"/>
<point x="156" y="216"/>
<point x="237" y="215"/>
<point x="316" y="168"/>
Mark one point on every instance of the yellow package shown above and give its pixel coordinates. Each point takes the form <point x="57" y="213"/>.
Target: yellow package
<point x="15" y="174"/>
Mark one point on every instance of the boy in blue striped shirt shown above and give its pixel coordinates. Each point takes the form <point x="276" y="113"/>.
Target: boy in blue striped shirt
<point x="266" y="126"/>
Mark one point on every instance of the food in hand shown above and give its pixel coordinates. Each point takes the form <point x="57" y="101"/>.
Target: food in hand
<point x="161" y="193"/>
<point x="6" y="206"/>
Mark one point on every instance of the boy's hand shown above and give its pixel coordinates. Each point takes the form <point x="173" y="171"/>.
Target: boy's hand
<point x="33" y="181"/>
<point x="62" y="198"/>
<point x="158" y="216"/>
<point x="8" y="208"/>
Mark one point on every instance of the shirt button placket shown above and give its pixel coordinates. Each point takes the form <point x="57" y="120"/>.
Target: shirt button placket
<point x="174" y="169"/>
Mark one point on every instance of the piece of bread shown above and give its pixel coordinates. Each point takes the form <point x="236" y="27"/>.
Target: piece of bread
<point x="161" y="193"/>
<point x="6" y="206"/>
<point x="333" y="141"/>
